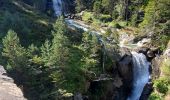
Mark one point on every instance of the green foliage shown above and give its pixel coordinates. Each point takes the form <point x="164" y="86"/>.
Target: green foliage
<point x="149" y="14"/>
<point x="134" y="19"/>
<point x="28" y="22"/>
<point x="83" y="4"/>
<point x="105" y="18"/>
<point x="161" y="85"/>
<point x="165" y="68"/>
<point x="46" y="52"/>
<point x="108" y="6"/>
<point x="154" y="96"/>
<point x="123" y="23"/>
<point x="114" y="24"/>
<point x="13" y="51"/>
<point x="92" y="57"/>
<point x="69" y="63"/>
<point x="163" y="41"/>
<point x="56" y="53"/>
<point x="87" y="16"/>
<point x="13" y="21"/>
<point x="108" y="33"/>
<point x="60" y="67"/>
<point x="97" y="8"/>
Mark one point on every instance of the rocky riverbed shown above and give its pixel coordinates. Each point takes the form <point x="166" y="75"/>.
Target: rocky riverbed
<point x="8" y="89"/>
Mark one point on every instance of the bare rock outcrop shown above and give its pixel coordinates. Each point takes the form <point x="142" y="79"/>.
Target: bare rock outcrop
<point x="8" y="89"/>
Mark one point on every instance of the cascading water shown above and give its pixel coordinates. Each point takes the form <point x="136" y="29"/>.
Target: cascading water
<point x="140" y="63"/>
<point x="63" y="7"/>
<point x="140" y="75"/>
<point x="57" y="5"/>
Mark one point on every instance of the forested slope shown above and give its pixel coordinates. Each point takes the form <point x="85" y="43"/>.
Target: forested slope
<point x="52" y="61"/>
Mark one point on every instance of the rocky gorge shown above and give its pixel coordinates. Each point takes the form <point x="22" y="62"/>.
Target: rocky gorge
<point x="129" y="66"/>
<point x="125" y="70"/>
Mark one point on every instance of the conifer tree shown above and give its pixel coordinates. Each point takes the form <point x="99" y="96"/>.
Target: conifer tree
<point x="13" y="51"/>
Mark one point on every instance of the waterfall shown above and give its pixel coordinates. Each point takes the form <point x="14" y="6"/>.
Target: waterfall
<point x="140" y="75"/>
<point x="63" y="7"/>
<point x="57" y="5"/>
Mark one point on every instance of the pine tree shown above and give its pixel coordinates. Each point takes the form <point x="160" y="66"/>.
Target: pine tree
<point x="60" y="44"/>
<point x="97" y="8"/>
<point x="13" y="51"/>
<point x="149" y="17"/>
<point x="91" y="58"/>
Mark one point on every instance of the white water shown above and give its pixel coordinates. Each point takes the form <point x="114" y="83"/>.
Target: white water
<point x="57" y="5"/>
<point x="140" y="63"/>
<point x="72" y="23"/>
<point x="140" y="75"/>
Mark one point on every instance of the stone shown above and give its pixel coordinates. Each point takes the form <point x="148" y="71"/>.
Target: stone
<point x="125" y="67"/>
<point x="167" y="53"/>
<point x="156" y="67"/>
<point x="143" y="50"/>
<point x="8" y="89"/>
<point x="150" y="54"/>
<point x="146" y="91"/>
<point x="103" y="90"/>
<point x="124" y="51"/>
<point x="78" y="96"/>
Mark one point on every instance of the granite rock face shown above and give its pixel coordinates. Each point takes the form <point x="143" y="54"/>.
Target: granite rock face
<point x="8" y="89"/>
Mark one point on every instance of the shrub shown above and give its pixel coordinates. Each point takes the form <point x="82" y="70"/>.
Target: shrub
<point x="154" y="96"/>
<point x="115" y="25"/>
<point x="87" y="16"/>
<point x="165" y="67"/>
<point x="123" y="23"/>
<point x="161" y="85"/>
<point x="105" y="18"/>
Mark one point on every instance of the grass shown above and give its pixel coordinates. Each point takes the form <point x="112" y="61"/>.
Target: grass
<point x="37" y="22"/>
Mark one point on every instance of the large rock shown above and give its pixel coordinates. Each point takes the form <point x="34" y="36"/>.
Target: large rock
<point x="167" y="53"/>
<point x="106" y="89"/>
<point x="150" y="54"/>
<point x="8" y="89"/>
<point x="146" y="91"/>
<point x="156" y="67"/>
<point x="78" y="96"/>
<point x="123" y="51"/>
<point x="125" y="68"/>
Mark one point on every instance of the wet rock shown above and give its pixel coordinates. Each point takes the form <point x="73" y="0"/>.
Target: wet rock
<point x="146" y="91"/>
<point x="145" y="42"/>
<point x="125" y="68"/>
<point x="102" y="90"/>
<point x="78" y="96"/>
<point x="150" y="54"/>
<point x="143" y="50"/>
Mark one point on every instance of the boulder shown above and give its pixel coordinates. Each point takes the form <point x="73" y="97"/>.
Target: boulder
<point x="103" y="90"/>
<point x="146" y="91"/>
<point x="8" y="89"/>
<point x="156" y="67"/>
<point x="150" y="54"/>
<point x="143" y="50"/>
<point x="78" y="96"/>
<point x="124" y="52"/>
<point x="167" y="53"/>
<point x="125" y="67"/>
